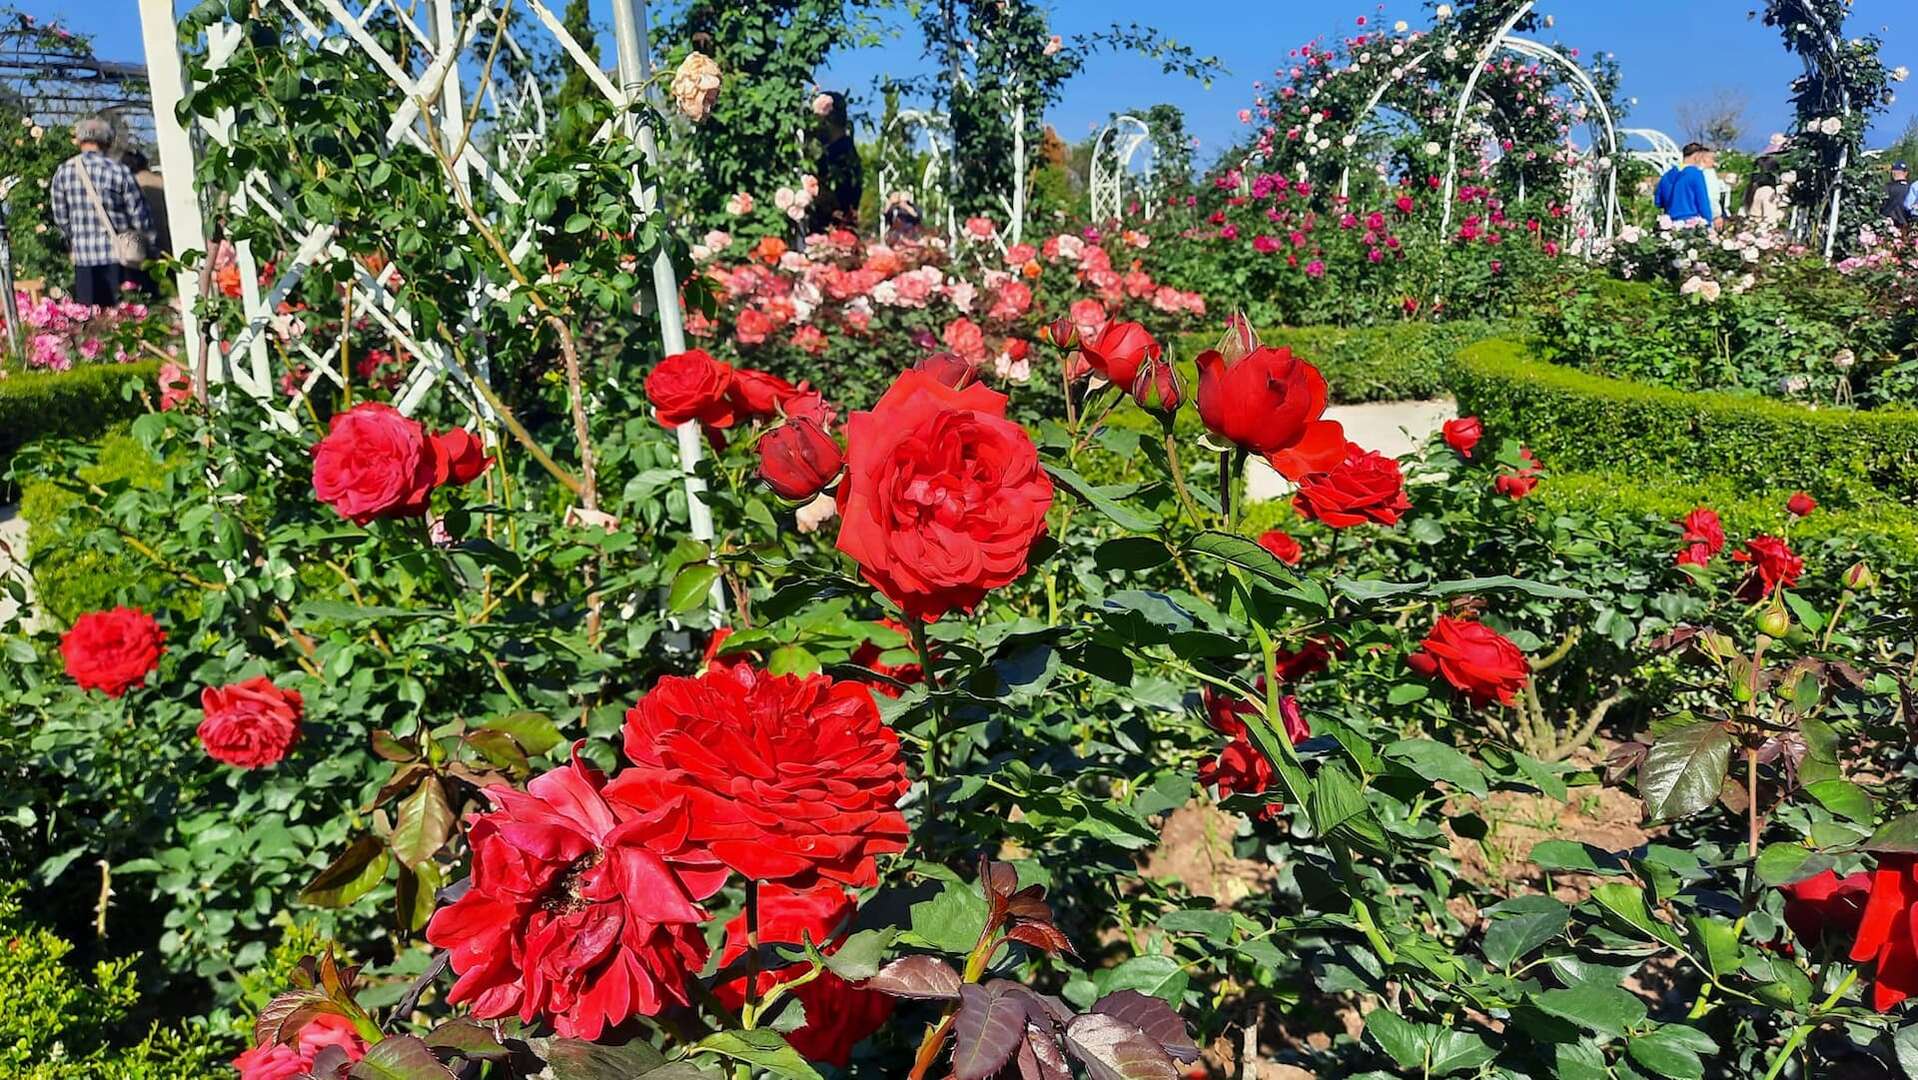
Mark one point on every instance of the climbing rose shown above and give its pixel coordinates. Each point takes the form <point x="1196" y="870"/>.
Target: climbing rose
<point x="377" y="463"/>
<point x="1463" y="434"/>
<point x="781" y="778"/>
<point x="1773" y="563"/>
<point x="465" y="456"/>
<point x="798" y="459"/>
<point x="1478" y="661"/>
<point x="1826" y="907"/>
<point x="1801" y="504"/>
<point x="695" y="86"/>
<point x="288" y="1060"/>
<point x="1366" y="486"/>
<point x="1282" y="546"/>
<point x="838" y="1014"/>
<point x="691" y="386"/>
<point x="1268" y="402"/>
<point x="112" y="650"/>
<point x="1119" y="350"/>
<point x="583" y="912"/>
<point x="249" y="724"/>
<point x="1239" y="768"/>
<point x="943" y="496"/>
<point x="1885" y="931"/>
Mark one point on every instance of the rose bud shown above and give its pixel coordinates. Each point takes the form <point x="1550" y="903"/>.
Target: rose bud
<point x="1120" y="351"/>
<point x="1801" y="504"/>
<point x="1158" y="389"/>
<point x="1061" y="334"/>
<point x="1859" y="578"/>
<point x="951" y="369"/>
<point x="798" y="459"/>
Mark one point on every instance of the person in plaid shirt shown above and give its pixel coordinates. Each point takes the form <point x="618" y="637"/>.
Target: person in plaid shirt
<point x="97" y="277"/>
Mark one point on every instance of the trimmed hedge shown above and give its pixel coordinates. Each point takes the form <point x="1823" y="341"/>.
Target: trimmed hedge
<point x="77" y="404"/>
<point x="1394" y="362"/>
<point x="1578" y="422"/>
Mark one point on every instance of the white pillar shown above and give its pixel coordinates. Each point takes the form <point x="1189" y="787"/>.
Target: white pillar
<point x="167" y="82"/>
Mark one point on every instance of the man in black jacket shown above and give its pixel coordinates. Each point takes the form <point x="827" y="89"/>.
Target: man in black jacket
<point x="1898" y="196"/>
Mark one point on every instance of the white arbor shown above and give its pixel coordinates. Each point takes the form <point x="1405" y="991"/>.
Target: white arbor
<point x="1112" y="155"/>
<point x="1664" y="153"/>
<point x="910" y="133"/>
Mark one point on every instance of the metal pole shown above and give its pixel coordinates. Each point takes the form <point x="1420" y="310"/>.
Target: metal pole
<point x="635" y="72"/>
<point x="168" y="85"/>
<point x="6" y="269"/>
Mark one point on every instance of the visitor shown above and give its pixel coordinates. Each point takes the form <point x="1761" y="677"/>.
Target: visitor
<point x="153" y="190"/>
<point x="1765" y="199"/>
<point x="1685" y="192"/>
<point x="904" y="224"/>
<point x="841" y="174"/>
<point x="1900" y="196"/>
<point x="97" y="205"/>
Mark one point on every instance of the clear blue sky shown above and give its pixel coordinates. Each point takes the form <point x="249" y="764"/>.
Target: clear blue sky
<point x="1672" y="51"/>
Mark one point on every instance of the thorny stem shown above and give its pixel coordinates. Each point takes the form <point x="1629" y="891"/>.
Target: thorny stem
<point x="1178" y="476"/>
<point x="589" y="481"/>
<point x="976" y="962"/>
<point x="929" y="768"/>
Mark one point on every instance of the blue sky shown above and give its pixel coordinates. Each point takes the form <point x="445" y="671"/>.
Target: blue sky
<point x="1672" y="51"/>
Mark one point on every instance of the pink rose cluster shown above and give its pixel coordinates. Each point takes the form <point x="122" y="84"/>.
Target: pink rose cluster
<point x="60" y="333"/>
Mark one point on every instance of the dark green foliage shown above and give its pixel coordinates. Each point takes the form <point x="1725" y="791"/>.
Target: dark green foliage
<point x="75" y="404"/>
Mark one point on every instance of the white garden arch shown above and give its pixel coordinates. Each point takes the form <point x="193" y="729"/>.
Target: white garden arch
<point x="1112" y="154"/>
<point x="1664" y="153"/>
<point x="1814" y="63"/>
<point x="1410" y="67"/>
<point x="916" y="131"/>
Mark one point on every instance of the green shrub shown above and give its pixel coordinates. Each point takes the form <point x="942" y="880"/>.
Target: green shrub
<point x="1390" y="362"/>
<point x="76" y="404"/>
<point x="57" y="1024"/>
<point x="1578" y="422"/>
<point x="69" y="575"/>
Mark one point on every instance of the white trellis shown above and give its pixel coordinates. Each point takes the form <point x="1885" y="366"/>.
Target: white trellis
<point x="427" y="101"/>
<point x="1411" y="67"/>
<point x="1112" y="154"/>
<point x="1664" y="153"/>
<point x="910" y="132"/>
<point x="1505" y="39"/>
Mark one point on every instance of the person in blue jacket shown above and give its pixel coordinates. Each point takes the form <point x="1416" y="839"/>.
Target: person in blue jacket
<point x="1683" y="192"/>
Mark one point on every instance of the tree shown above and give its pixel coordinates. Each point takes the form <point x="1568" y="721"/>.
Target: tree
<point x="1716" y="120"/>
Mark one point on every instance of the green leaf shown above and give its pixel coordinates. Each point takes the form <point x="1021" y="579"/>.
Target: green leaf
<point x="1844" y="798"/>
<point x="1627" y="904"/>
<point x="1436" y="761"/>
<point x="1214" y="926"/>
<point x="1131" y="553"/>
<point x="1672" y="1051"/>
<point x="1242" y="553"/>
<point x="424" y="823"/>
<point x="762" y="1048"/>
<point x="1897" y="836"/>
<point x="1509" y="939"/>
<point x="1778" y="981"/>
<point x="1125" y="518"/>
<point x="1404" y="1042"/>
<point x="345" y="611"/>
<point x="577" y="1059"/>
<point x="1456" y="1051"/>
<point x="1786" y="862"/>
<point x="792" y="660"/>
<point x="1506" y="582"/>
<point x="1160" y="976"/>
<point x="1684" y="769"/>
<point x="1717" y="942"/>
<point x="1904" y="1044"/>
<point x="1607" y="1010"/>
<point x="691" y="588"/>
<point x="535" y="732"/>
<point x="857" y="958"/>
<point x="1562" y="855"/>
<point x="399" y="1057"/>
<point x="951" y="921"/>
<point x="354" y="874"/>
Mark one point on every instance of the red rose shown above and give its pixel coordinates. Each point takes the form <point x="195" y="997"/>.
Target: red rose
<point x="782" y="778"/>
<point x="1801" y="504"/>
<point x="376" y="463"/>
<point x="249" y="724"/>
<point x="943" y="496"/>
<point x="1271" y="403"/>
<point x="757" y="395"/>
<point x="948" y="369"/>
<point x="1884" y="931"/>
<point x="1463" y="434"/>
<point x="1773" y="563"/>
<point x="1478" y="661"/>
<point x="691" y="386"/>
<point x="111" y="651"/>
<point x="1239" y="768"/>
<point x="797" y="460"/>
<point x="1515" y="484"/>
<point x="1703" y="527"/>
<point x="1826" y="907"/>
<point x="838" y="1014"/>
<point x="294" y="1058"/>
<point x="871" y="656"/>
<point x="1117" y="352"/>
<point x="1282" y="546"/>
<point x="1695" y="554"/>
<point x="577" y="914"/>
<point x="1366" y="486"/>
<point x="1312" y="658"/>
<point x="465" y="456"/>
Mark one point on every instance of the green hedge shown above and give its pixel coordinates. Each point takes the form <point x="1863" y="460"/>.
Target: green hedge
<point x="1394" y="362"/>
<point x="1578" y="422"/>
<point x="76" y="404"/>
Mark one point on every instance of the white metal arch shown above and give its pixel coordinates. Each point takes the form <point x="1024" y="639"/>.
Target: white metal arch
<point x="931" y="134"/>
<point x="1112" y="153"/>
<point x="1664" y="153"/>
<point x="1411" y="66"/>
<point x="1504" y="39"/>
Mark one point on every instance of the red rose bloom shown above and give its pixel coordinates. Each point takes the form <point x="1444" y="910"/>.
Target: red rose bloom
<point x="691" y="386"/>
<point x="1463" y="434"/>
<point x="1517" y="485"/>
<point x="1703" y="527"/>
<point x="943" y="496"/>
<point x="1695" y="554"/>
<point x="798" y="459"/>
<point x="249" y="724"/>
<point x="838" y="1014"/>
<point x="376" y="463"/>
<point x="1801" y="504"/>
<point x="1270" y="402"/>
<point x="757" y="395"/>
<point x="1826" y="906"/>
<point x="465" y="456"/>
<point x="1773" y="563"/>
<point x="287" y="1060"/>
<point x="1478" y="661"/>
<point x="782" y="778"/>
<point x="871" y="656"/>
<point x="1366" y="486"/>
<point x="1282" y="546"/>
<point x="1312" y="658"/>
<point x="1888" y="931"/>
<point x="1118" y="351"/>
<point x="948" y="369"/>
<point x="575" y="915"/>
<point x="1239" y="768"/>
<point x="113" y="650"/>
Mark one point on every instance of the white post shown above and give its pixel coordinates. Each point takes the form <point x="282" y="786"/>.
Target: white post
<point x="168" y="85"/>
<point x="1464" y="100"/>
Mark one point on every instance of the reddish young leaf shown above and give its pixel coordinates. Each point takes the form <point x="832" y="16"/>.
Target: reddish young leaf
<point x="922" y="978"/>
<point x="289" y="1012"/>
<point x="1041" y="936"/>
<point x="1040" y="1057"/>
<point x="988" y="1030"/>
<point x="1112" y="1049"/>
<point x="1152" y="1016"/>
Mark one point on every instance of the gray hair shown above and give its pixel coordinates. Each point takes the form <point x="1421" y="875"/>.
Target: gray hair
<point x="94" y="130"/>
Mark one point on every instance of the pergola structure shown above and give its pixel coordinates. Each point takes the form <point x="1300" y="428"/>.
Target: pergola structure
<point x="433" y="80"/>
<point x="59" y="83"/>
